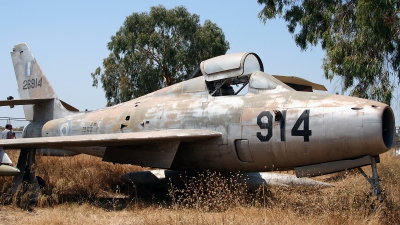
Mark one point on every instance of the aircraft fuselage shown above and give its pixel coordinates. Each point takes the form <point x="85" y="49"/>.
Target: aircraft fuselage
<point x="261" y="131"/>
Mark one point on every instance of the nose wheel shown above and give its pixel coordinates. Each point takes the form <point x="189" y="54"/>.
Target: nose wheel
<point x="374" y="180"/>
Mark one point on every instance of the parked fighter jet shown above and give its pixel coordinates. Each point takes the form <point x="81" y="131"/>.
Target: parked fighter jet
<point x="204" y="123"/>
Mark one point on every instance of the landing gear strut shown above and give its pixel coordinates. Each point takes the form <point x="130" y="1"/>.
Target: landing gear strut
<point x="374" y="180"/>
<point x="27" y="174"/>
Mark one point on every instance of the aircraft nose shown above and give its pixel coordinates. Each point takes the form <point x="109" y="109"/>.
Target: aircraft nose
<point x="379" y="122"/>
<point x="388" y="127"/>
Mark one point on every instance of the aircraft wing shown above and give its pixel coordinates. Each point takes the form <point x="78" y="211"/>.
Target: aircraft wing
<point x="151" y="148"/>
<point x="106" y="140"/>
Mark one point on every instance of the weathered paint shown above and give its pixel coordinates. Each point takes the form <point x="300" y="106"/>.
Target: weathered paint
<point x="339" y="127"/>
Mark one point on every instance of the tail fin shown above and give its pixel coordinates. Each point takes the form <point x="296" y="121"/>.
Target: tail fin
<point x="33" y="84"/>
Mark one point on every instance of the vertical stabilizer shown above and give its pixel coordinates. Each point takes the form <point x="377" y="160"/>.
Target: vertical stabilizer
<point x="33" y="84"/>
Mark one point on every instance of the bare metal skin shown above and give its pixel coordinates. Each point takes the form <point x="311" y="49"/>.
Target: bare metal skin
<point x="193" y="126"/>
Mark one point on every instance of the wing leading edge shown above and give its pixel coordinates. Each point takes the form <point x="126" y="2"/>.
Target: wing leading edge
<point x="106" y="140"/>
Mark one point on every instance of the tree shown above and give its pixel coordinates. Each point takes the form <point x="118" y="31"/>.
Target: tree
<point x="155" y="50"/>
<point x="360" y="37"/>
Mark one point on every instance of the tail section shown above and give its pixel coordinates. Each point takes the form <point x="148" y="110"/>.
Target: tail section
<point x="33" y="84"/>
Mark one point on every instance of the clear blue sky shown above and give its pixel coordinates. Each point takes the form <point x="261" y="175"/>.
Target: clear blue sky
<point x="69" y="39"/>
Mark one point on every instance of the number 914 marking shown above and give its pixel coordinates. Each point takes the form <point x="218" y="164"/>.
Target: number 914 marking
<point x="32" y="83"/>
<point x="265" y="120"/>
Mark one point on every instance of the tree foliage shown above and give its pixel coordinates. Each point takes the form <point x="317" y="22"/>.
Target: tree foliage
<point x="156" y="49"/>
<point x="360" y="37"/>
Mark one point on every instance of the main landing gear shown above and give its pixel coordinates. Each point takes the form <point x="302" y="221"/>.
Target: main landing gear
<point x="26" y="176"/>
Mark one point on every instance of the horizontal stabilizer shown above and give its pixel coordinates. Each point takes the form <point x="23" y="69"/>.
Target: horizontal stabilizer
<point x="24" y="101"/>
<point x="35" y="101"/>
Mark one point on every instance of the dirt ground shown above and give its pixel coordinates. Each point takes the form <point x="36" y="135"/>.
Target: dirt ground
<point x="85" y="190"/>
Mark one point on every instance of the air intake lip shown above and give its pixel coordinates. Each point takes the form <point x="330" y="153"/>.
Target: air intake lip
<point x="388" y="127"/>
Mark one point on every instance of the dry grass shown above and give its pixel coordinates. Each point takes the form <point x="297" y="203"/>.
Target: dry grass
<point x="212" y="192"/>
<point x="84" y="190"/>
<point x="73" y="179"/>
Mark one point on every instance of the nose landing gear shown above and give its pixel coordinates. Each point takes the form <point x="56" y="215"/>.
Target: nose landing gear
<point x="374" y="180"/>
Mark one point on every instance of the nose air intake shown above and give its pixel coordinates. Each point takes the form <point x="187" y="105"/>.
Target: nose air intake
<point x="388" y="127"/>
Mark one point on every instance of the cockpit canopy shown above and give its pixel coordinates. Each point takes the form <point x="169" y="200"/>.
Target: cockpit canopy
<point x="238" y="69"/>
<point x="232" y="65"/>
<point x="245" y="70"/>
